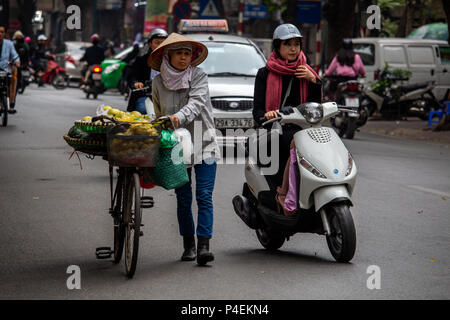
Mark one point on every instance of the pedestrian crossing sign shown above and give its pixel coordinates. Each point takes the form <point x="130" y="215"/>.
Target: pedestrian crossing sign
<point x="208" y="9"/>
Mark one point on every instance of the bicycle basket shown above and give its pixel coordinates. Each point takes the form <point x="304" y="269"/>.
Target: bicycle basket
<point x="130" y="145"/>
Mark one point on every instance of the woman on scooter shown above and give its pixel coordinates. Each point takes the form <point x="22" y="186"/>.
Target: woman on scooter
<point x="286" y="80"/>
<point x="346" y="65"/>
<point x="181" y="91"/>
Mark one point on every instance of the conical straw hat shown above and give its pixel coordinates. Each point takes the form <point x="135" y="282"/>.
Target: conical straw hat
<point x="199" y="51"/>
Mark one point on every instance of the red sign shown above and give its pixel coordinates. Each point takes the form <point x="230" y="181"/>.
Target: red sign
<point x="14" y="25"/>
<point x="182" y="10"/>
<point x="150" y="25"/>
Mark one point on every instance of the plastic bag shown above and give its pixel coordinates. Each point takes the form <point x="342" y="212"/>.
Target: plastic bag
<point x="184" y="138"/>
<point x="168" y="139"/>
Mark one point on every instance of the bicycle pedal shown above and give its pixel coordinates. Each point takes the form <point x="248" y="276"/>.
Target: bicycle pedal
<point x="147" y="202"/>
<point x="103" y="252"/>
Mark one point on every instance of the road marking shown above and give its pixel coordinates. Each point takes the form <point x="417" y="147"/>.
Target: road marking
<point x="439" y="193"/>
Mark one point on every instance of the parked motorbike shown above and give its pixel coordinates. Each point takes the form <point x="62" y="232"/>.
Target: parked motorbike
<point x="349" y="93"/>
<point x="93" y="84"/>
<point x="398" y="100"/>
<point x="327" y="178"/>
<point x="54" y="74"/>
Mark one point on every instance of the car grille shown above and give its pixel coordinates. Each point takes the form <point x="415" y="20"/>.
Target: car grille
<point x="320" y="135"/>
<point x="232" y="104"/>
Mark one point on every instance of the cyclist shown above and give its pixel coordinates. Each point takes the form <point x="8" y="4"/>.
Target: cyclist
<point x="7" y="55"/>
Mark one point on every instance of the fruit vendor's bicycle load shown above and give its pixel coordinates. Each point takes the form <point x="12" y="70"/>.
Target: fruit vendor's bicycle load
<point x="143" y="154"/>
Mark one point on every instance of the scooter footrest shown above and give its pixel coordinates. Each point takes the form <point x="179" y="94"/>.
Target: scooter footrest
<point x="147" y="202"/>
<point x="103" y="252"/>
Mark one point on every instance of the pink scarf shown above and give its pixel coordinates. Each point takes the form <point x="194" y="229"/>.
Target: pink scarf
<point x="172" y="78"/>
<point x="278" y="68"/>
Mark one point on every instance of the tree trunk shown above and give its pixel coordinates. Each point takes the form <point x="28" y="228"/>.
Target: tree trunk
<point x="338" y="29"/>
<point x="446" y="5"/>
<point x="27" y="10"/>
<point x="4" y="14"/>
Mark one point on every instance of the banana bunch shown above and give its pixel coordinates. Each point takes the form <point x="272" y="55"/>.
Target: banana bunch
<point x="124" y="116"/>
<point x="119" y="115"/>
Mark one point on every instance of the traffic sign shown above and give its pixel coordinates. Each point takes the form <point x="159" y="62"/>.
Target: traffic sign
<point x="255" y="12"/>
<point x="309" y="11"/>
<point x="208" y="9"/>
<point x="182" y="10"/>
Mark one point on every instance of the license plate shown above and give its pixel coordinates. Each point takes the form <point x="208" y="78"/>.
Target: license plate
<point x="97" y="76"/>
<point x="353" y="114"/>
<point x="351" y="102"/>
<point x="26" y="73"/>
<point x="233" y="123"/>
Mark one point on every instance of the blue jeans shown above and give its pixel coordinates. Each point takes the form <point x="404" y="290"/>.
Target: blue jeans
<point x="140" y="105"/>
<point x="205" y="176"/>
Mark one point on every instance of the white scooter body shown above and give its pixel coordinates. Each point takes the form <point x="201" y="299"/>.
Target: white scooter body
<point x="322" y="148"/>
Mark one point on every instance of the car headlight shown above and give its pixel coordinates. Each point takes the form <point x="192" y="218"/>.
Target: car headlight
<point x="312" y="111"/>
<point x="308" y="166"/>
<point x="350" y="164"/>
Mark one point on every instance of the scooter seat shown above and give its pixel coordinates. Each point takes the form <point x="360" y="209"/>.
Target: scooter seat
<point x="415" y="86"/>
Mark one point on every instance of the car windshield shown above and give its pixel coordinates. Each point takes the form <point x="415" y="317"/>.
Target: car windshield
<point x="75" y="49"/>
<point x="366" y="51"/>
<point x="232" y="59"/>
<point x="123" y="53"/>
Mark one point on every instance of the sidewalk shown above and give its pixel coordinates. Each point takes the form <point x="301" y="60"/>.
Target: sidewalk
<point x="412" y="128"/>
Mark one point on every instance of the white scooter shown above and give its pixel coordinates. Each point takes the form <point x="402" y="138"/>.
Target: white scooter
<point x="327" y="178"/>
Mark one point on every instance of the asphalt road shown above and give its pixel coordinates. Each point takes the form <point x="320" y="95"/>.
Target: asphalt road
<point x="53" y="215"/>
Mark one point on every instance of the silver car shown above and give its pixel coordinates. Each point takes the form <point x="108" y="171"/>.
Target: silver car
<point x="75" y="50"/>
<point x="231" y="66"/>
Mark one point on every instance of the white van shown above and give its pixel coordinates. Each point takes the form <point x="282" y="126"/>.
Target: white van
<point x="428" y="60"/>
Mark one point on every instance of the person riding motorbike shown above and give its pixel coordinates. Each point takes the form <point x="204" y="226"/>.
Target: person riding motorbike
<point x="141" y="72"/>
<point x="40" y="56"/>
<point x="23" y="50"/>
<point x="93" y="55"/>
<point x="7" y="55"/>
<point x="346" y="65"/>
<point x="286" y="78"/>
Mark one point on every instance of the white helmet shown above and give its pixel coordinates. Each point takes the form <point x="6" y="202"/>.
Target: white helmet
<point x="42" y="37"/>
<point x="286" y="31"/>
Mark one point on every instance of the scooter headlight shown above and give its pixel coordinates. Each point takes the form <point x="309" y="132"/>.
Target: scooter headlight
<point x="350" y="164"/>
<point x="312" y="111"/>
<point x="308" y="166"/>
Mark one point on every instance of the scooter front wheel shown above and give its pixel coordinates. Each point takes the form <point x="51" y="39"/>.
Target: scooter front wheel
<point x="342" y="240"/>
<point x="270" y="240"/>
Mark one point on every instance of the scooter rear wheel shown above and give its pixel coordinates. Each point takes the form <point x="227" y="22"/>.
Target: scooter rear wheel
<point x="342" y="241"/>
<point x="269" y="240"/>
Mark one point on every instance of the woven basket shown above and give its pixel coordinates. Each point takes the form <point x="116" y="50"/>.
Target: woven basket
<point x="94" y="147"/>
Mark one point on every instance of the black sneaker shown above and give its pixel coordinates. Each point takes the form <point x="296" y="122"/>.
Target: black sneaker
<point x="12" y="111"/>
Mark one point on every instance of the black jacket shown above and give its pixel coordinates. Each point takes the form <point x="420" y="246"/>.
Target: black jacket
<point x="140" y="71"/>
<point x="259" y="95"/>
<point x="93" y="55"/>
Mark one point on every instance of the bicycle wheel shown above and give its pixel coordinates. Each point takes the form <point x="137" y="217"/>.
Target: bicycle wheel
<point x="118" y="214"/>
<point x="132" y="221"/>
<point x="4" y="110"/>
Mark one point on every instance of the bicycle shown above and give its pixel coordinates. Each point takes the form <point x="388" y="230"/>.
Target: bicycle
<point x="4" y="89"/>
<point x="127" y="202"/>
<point x="126" y="209"/>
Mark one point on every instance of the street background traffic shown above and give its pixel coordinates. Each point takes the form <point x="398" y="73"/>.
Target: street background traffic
<point x="54" y="215"/>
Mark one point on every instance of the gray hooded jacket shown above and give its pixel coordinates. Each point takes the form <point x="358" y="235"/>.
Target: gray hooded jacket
<point x="194" y="110"/>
